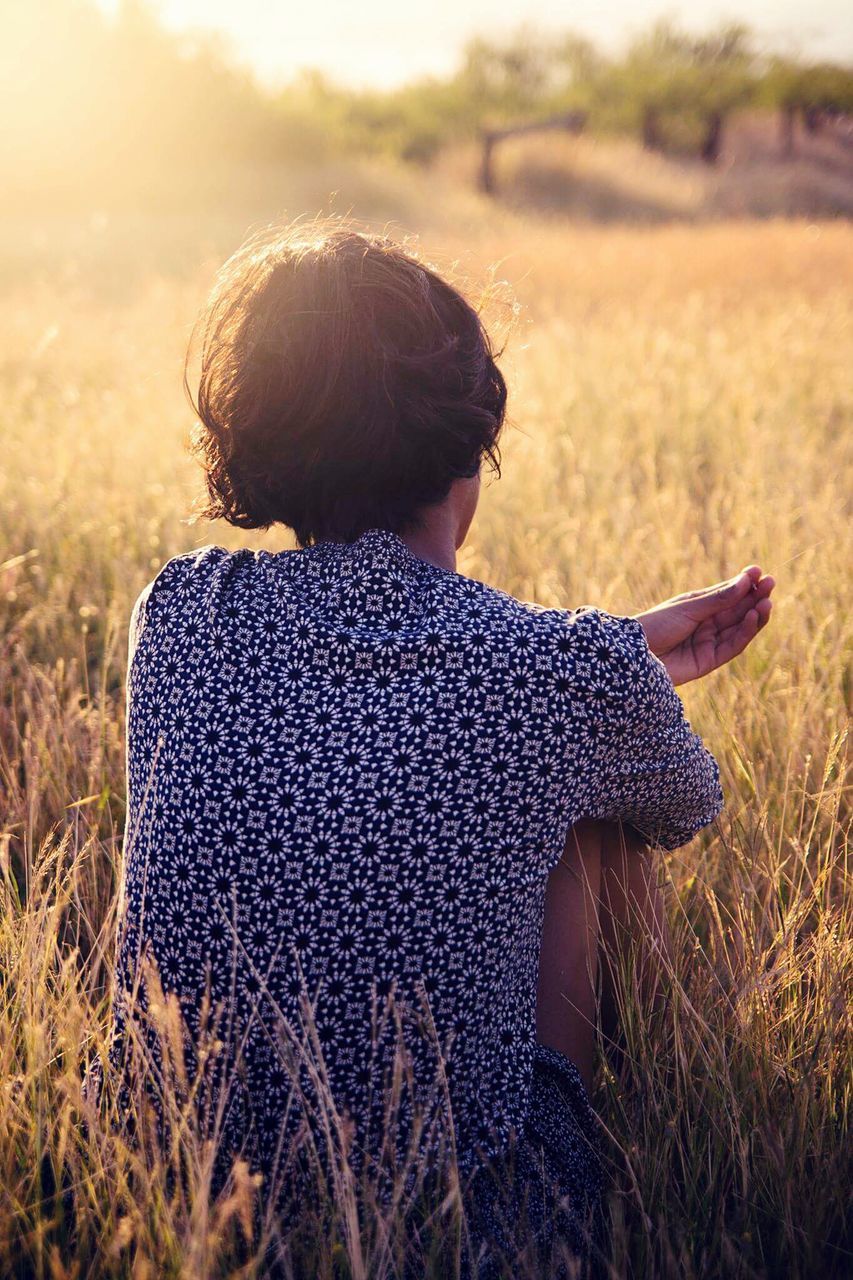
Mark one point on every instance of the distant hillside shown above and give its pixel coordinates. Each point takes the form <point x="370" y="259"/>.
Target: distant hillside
<point x="614" y="179"/>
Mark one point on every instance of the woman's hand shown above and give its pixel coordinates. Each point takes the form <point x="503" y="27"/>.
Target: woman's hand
<point x="698" y="631"/>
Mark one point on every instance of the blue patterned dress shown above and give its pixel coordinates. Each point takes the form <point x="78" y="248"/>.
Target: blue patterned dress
<point x="350" y="773"/>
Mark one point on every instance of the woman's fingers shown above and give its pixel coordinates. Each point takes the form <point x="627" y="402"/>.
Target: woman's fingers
<point x="732" y="614"/>
<point x="734" y="639"/>
<point x="732" y="642"/>
<point x="708" y="601"/>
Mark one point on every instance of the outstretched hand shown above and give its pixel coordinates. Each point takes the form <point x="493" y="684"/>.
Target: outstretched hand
<point x="698" y="631"/>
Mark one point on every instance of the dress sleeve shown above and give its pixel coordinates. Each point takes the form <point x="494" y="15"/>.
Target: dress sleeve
<point x="642" y="763"/>
<point x="150" y="599"/>
<point x="137" y="621"/>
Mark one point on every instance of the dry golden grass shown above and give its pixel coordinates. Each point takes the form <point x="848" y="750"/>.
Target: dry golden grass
<point x="681" y="406"/>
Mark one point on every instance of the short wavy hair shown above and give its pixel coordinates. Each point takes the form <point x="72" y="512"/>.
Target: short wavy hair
<point x="343" y="385"/>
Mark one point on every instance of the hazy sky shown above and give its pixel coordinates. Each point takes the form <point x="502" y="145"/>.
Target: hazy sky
<point x="385" y="42"/>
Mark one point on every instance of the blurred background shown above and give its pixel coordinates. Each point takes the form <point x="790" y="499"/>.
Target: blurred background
<point x="212" y="115"/>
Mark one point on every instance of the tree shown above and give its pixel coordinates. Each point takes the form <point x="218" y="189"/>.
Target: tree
<point x="812" y="92"/>
<point x="670" y="76"/>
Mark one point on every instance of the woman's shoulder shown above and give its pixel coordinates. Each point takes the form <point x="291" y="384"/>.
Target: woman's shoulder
<point x="175" y="580"/>
<point x="187" y="568"/>
<point x="562" y="634"/>
<point x="186" y="564"/>
<point x="587" y="632"/>
<point x="603" y="661"/>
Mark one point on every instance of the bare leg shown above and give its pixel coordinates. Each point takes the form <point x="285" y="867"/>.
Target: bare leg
<point x="568" y="963"/>
<point x="634" y="929"/>
<point x="603" y="892"/>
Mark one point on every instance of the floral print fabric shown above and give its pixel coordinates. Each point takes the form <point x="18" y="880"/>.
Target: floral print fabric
<point x="350" y="772"/>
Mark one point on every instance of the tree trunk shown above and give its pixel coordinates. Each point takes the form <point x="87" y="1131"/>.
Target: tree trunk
<point x="788" y="121"/>
<point x="487" y="177"/>
<point x="812" y="119"/>
<point x="651" y="129"/>
<point x="713" y="141"/>
<point x="570" y="121"/>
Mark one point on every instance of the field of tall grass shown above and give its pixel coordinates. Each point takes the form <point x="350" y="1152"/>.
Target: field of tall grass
<point x="681" y="405"/>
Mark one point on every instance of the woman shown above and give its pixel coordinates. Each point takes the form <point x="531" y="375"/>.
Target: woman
<point x="367" y="792"/>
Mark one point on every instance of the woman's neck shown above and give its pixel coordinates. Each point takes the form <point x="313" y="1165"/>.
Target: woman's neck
<point x="441" y="528"/>
<point x="435" y="545"/>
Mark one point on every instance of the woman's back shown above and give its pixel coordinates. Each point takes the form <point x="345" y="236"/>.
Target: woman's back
<point x="350" y="773"/>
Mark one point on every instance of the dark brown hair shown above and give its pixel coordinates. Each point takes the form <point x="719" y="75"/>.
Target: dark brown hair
<point x="343" y="385"/>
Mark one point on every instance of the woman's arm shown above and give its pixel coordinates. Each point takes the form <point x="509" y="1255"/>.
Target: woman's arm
<point x="698" y="631"/>
<point x="640" y="761"/>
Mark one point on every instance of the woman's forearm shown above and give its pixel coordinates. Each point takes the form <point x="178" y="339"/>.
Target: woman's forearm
<point x="698" y="631"/>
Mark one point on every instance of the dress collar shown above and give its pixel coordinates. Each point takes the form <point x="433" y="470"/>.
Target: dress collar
<point x="377" y="548"/>
<point x="375" y="579"/>
<point x="382" y="547"/>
